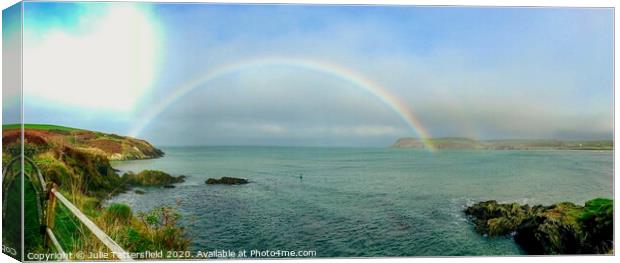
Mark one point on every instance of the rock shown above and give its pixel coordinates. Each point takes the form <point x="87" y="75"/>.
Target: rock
<point x="227" y="180"/>
<point x="496" y="219"/>
<point x="597" y="219"/>
<point x="554" y="230"/>
<point x="151" y="178"/>
<point x="138" y="191"/>
<point x="563" y="228"/>
<point x="169" y="186"/>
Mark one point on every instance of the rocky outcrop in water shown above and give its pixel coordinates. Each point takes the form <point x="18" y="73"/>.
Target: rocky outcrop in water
<point x="152" y="178"/>
<point x="227" y="180"/>
<point x="563" y="228"/>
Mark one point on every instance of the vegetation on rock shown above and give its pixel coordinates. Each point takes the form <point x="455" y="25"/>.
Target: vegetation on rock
<point x="597" y="220"/>
<point x="151" y="178"/>
<point x="227" y="180"/>
<point x="563" y="228"/>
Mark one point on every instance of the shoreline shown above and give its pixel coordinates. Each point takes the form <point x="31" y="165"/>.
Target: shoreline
<point x="48" y="151"/>
<point x="356" y="147"/>
<point x="510" y="150"/>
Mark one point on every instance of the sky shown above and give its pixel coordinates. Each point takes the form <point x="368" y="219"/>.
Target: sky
<point x="11" y="57"/>
<point x="318" y="75"/>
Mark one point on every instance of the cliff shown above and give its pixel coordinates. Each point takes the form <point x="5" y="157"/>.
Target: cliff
<point x="78" y="162"/>
<point x="111" y="146"/>
<point x="76" y="159"/>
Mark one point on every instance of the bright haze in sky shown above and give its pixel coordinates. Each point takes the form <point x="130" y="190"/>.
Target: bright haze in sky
<point x="205" y="74"/>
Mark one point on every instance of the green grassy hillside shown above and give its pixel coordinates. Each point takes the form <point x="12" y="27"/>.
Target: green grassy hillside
<point x="45" y="127"/>
<point x="78" y="162"/>
<point x="112" y="146"/>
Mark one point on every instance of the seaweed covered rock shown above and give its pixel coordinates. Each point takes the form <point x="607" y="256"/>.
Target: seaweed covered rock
<point x="227" y="180"/>
<point x="597" y="220"/>
<point x="151" y="178"/>
<point x="494" y="219"/>
<point x="554" y="230"/>
<point x="563" y="228"/>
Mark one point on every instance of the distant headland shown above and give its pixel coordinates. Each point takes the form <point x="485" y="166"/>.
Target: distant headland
<point x="113" y="147"/>
<point x="516" y="144"/>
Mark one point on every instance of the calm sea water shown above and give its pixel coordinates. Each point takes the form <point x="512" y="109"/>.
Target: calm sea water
<point x="362" y="202"/>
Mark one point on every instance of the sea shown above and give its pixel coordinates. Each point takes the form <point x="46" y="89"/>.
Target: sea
<point x="360" y="202"/>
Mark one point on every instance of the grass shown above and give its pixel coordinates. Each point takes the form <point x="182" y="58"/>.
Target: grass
<point x="113" y="146"/>
<point x="155" y="230"/>
<point x="11" y="235"/>
<point x="44" y="127"/>
<point x="11" y="229"/>
<point x="86" y="179"/>
<point x="118" y="213"/>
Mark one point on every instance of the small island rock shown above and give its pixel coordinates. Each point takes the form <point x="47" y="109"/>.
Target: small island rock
<point x="151" y="178"/>
<point x="227" y="180"/>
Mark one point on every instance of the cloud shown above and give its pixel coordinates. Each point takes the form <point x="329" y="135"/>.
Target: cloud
<point x="11" y="71"/>
<point x="480" y="73"/>
<point x="108" y="64"/>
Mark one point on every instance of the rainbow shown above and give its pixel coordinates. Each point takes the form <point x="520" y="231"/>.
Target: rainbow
<point x="358" y="80"/>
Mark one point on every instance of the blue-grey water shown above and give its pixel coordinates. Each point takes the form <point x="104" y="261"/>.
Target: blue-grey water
<point x="361" y="202"/>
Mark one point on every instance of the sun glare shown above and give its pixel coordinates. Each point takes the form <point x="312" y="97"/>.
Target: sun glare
<point x="108" y="67"/>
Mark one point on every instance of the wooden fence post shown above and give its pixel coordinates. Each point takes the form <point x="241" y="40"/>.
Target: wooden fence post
<point x="50" y="211"/>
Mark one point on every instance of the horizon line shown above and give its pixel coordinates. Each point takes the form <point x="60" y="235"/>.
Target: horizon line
<point x="4" y="125"/>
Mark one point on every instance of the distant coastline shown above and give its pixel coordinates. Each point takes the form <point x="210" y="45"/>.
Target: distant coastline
<point x="510" y="144"/>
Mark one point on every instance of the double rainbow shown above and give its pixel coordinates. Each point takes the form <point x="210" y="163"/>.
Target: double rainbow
<point x="358" y="80"/>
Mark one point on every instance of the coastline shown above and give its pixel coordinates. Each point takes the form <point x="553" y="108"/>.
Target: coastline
<point x="507" y="150"/>
<point x="103" y="208"/>
<point x="77" y="161"/>
<point x="560" y="228"/>
<point x="347" y="173"/>
<point x="505" y="144"/>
